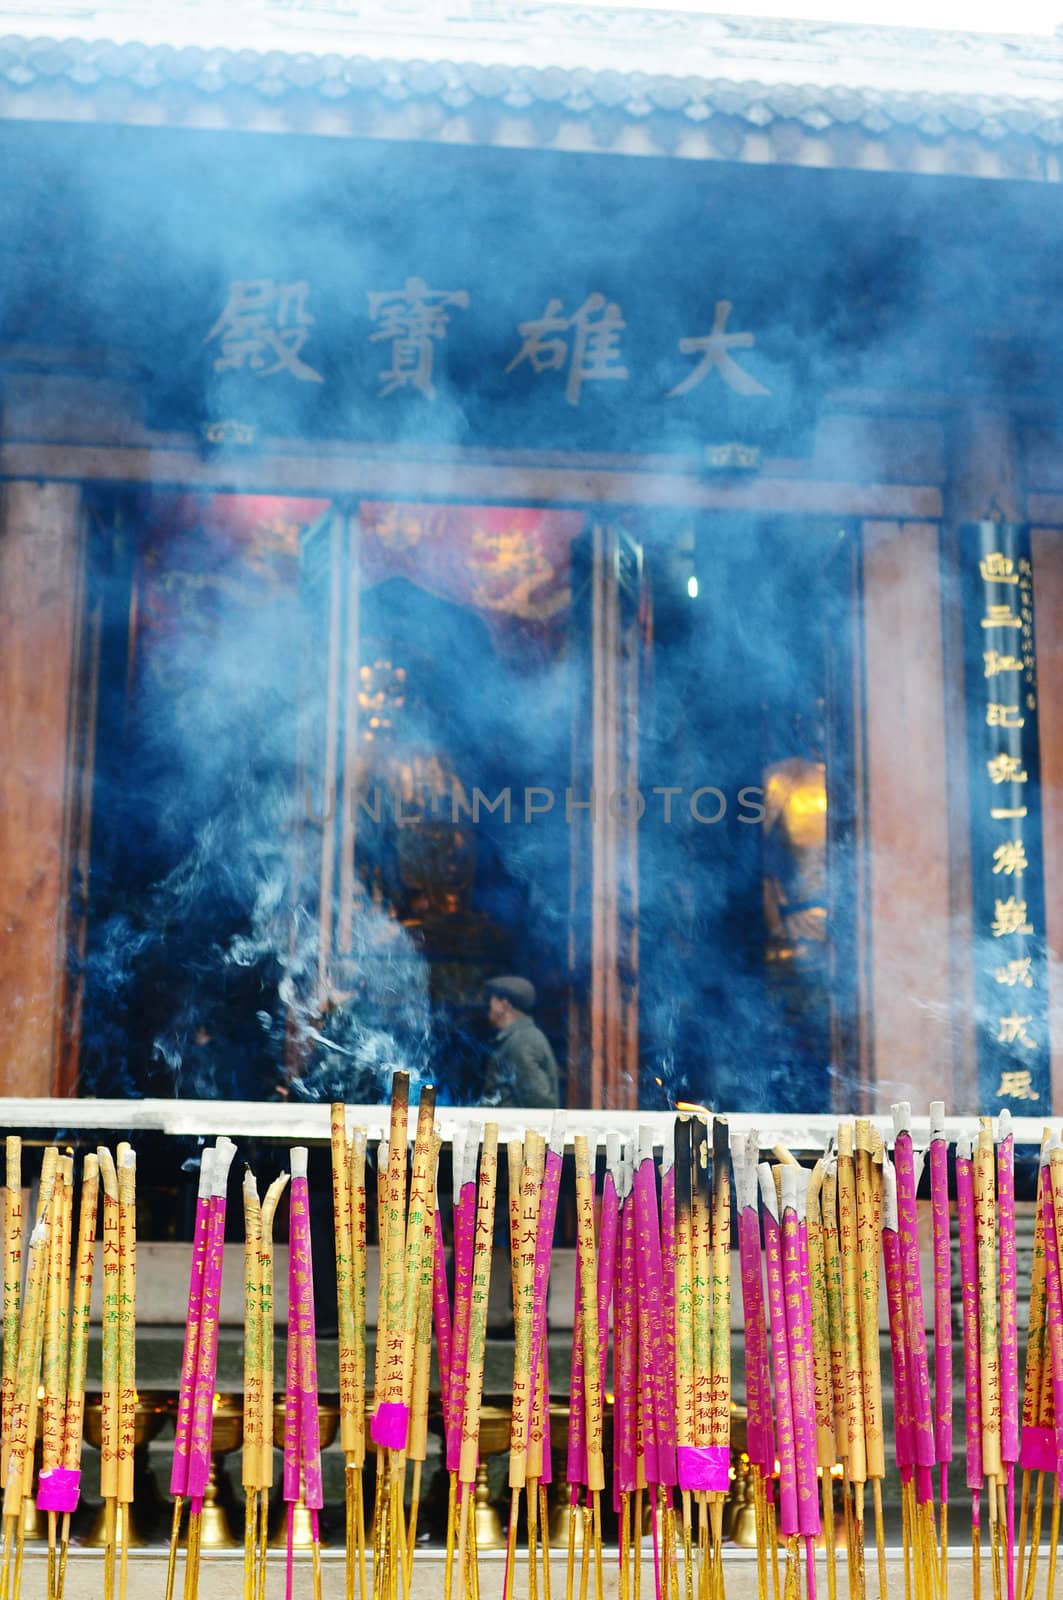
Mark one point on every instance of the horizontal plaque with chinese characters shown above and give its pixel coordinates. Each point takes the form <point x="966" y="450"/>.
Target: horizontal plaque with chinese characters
<point x="1011" y="996"/>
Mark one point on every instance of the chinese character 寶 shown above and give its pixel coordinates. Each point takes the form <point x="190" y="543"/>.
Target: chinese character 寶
<point x="413" y="320"/>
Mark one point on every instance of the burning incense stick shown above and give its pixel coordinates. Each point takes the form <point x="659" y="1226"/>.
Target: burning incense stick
<point x="187" y="1390"/>
<point x="31" y="1339"/>
<point x="856" y="1459"/>
<point x="794" y="1181"/>
<point x="588" y="1331"/>
<point x="1037" y="1443"/>
<point x="302" y="1437"/>
<point x="526" y="1169"/>
<point x="66" y="1482"/>
<point x="481" y="1283"/>
<point x="12" y="1290"/>
<point x="418" y="1438"/>
<point x="785" y="1441"/>
<point x="760" y="1433"/>
<point x="343" y="1226"/>
<point x="903" y="1413"/>
<point x="868" y="1253"/>
<point x="1009" y="1333"/>
<point x="201" y="1430"/>
<point x="826" y="1449"/>
<point x="256" y="1415"/>
<point x="972" y="1363"/>
<point x="989" y="1330"/>
<point x="939" y="1201"/>
<point x="110" y="1363"/>
<point x="127" y="1377"/>
<point x="265" y="1472"/>
<point x="55" y="1351"/>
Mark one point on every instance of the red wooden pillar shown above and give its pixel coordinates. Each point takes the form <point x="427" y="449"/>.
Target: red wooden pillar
<point x="43" y="771"/>
<point x="603" y="1033"/>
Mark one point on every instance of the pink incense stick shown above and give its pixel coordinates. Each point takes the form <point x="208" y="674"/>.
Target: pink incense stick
<point x="1009" y="1330"/>
<point x="441" y="1313"/>
<point x="939" y="1202"/>
<point x="1037" y="1447"/>
<point x="972" y="1378"/>
<point x="1054" y="1295"/>
<point x="576" y="1459"/>
<point x="464" y="1233"/>
<point x="544" y="1244"/>
<point x="903" y="1425"/>
<point x="798" y="1307"/>
<point x="918" y="1362"/>
<point x="668" y="1356"/>
<point x="660" y="1452"/>
<point x="199" y="1453"/>
<point x="625" y="1354"/>
<point x="789" y="1519"/>
<point x="607" y="1247"/>
<point x="190" y="1356"/>
<point x="760" y="1437"/>
<point x="301" y="1312"/>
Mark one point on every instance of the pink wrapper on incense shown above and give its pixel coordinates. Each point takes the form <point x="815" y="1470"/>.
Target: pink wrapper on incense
<point x="441" y="1313"/>
<point x="301" y="1317"/>
<point x="183" y="1433"/>
<point x="1009" y="1331"/>
<point x="799" y="1342"/>
<point x="972" y="1377"/>
<point x="1054" y="1295"/>
<point x="660" y="1462"/>
<point x="915" y="1321"/>
<point x="625" y="1371"/>
<point x="903" y="1425"/>
<point x="199" y="1451"/>
<point x="939" y="1201"/>
<point x="464" y="1235"/>
<point x="789" y="1519"/>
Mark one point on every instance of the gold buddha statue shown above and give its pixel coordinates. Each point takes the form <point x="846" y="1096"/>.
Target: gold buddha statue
<point x="795" y="848"/>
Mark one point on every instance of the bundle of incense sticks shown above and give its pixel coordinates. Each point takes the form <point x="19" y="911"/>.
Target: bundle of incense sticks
<point x="257" y="1461"/>
<point x="653" y="1256"/>
<point x="534" y="1182"/>
<point x="302" y="1431"/>
<point x="195" y="1410"/>
<point x="349" y="1222"/>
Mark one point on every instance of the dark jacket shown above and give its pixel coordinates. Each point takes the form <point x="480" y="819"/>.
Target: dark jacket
<point x="522" y="1070"/>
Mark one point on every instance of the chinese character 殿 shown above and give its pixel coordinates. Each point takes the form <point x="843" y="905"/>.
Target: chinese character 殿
<point x="263" y="328"/>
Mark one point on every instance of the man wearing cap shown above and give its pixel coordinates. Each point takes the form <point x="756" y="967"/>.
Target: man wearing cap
<point x="522" y="1070"/>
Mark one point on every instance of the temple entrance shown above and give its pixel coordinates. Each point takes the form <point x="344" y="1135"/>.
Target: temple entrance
<point x="354" y="760"/>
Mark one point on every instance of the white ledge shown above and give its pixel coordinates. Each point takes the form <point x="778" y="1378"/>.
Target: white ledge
<point x="299" y="1122"/>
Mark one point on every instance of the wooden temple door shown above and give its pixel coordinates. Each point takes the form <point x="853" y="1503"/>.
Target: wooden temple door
<point x="323" y="877"/>
<point x="608" y="632"/>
